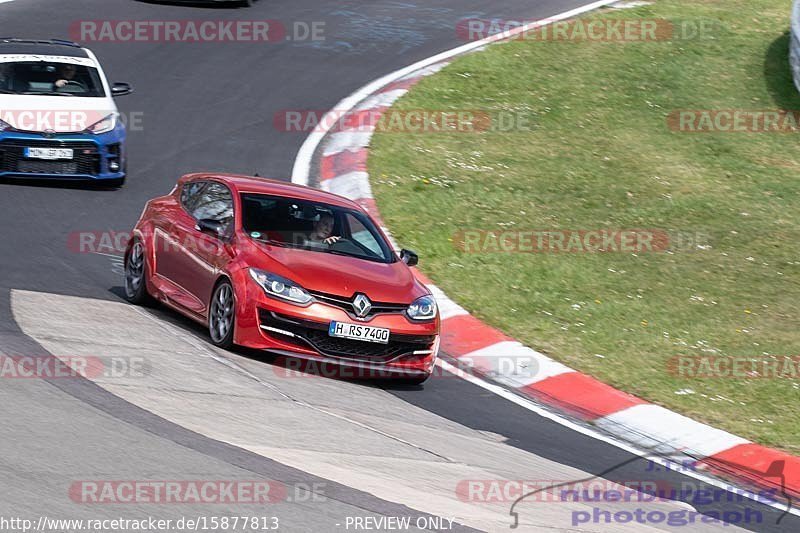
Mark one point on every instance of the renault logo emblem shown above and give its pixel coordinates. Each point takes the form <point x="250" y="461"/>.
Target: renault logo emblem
<point x="362" y="305"/>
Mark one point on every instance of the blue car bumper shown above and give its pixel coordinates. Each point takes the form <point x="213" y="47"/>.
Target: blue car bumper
<point x="95" y="157"/>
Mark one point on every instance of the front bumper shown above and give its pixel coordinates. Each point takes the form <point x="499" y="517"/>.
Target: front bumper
<point x="302" y="332"/>
<point x="95" y="157"/>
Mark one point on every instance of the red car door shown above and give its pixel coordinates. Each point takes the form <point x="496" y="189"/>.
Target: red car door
<point x="187" y="259"/>
<point x="200" y="256"/>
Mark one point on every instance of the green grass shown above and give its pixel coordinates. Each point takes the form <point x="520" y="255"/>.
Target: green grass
<point x="600" y="155"/>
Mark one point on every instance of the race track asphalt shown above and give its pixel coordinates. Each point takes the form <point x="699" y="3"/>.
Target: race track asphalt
<point x="210" y="106"/>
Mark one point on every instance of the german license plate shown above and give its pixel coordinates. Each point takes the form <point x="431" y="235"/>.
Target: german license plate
<point x="359" y="332"/>
<point x="48" y="153"/>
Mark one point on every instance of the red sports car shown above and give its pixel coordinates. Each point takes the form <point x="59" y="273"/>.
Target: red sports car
<point x="289" y="269"/>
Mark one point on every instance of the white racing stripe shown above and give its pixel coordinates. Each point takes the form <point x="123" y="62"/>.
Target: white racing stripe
<point x="347" y="140"/>
<point x="354" y="185"/>
<point x="653" y="427"/>
<point x="510" y="363"/>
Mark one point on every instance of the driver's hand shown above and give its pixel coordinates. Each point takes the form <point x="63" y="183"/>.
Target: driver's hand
<point x="61" y="83"/>
<point x="331" y="240"/>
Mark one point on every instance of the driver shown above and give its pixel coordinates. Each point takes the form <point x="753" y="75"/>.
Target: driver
<point x="66" y="75"/>
<point x="323" y="229"/>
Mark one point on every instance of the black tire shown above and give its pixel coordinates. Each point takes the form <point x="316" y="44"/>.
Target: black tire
<point x="136" y="275"/>
<point x="246" y="3"/>
<point x="222" y="315"/>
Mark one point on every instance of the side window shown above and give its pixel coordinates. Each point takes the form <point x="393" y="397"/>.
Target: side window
<point x="360" y="234"/>
<point x="214" y="202"/>
<point x="189" y="193"/>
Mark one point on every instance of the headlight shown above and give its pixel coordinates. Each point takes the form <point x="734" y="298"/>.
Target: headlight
<point x="104" y="125"/>
<point x="4" y="125"/>
<point x="422" y="309"/>
<point x="280" y="287"/>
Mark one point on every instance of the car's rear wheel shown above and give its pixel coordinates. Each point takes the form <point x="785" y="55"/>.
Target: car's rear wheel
<point x="222" y="315"/>
<point x="136" y="275"/>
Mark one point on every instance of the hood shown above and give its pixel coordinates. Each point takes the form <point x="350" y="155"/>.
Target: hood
<point x="60" y="114"/>
<point x="340" y="275"/>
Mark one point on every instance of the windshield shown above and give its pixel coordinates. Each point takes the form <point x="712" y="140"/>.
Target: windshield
<point x="50" y="78"/>
<point x="313" y="226"/>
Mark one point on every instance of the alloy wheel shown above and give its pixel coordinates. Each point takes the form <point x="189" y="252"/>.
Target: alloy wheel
<point x="134" y="270"/>
<point x="221" y="313"/>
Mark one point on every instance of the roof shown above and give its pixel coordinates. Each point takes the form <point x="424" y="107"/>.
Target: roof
<point x="251" y="184"/>
<point x="49" y="47"/>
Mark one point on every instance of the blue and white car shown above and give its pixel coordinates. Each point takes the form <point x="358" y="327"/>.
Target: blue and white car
<point x="58" y="118"/>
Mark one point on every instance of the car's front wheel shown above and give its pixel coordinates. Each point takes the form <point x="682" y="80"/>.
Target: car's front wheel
<point x="222" y="315"/>
<point x="136" y="274"/>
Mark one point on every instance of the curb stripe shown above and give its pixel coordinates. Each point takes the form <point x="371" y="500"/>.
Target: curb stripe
<point x="351" y="185"/>
<point x="511" y="363"/>
<point x="654" y="428"/>
<point x="347" y="141"/>
<point x="463" y="333"/>
<point x="581" y="395"/>
<point x="342" y="163"/>
<point x="361" y="120"/>
<point x="752" y="462"/>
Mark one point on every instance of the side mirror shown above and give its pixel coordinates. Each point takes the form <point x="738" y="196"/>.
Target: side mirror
<point x="121" y="88"/>
<point x="409" y="257"/>
<point x="211" y="227"/>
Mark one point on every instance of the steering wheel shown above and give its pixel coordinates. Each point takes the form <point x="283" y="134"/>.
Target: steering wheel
<point x="73" y="83"/>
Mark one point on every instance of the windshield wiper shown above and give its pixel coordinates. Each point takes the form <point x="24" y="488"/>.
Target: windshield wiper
<point x="5" y="91"/>
<point x="337" y="252"/>
<point x="47" y="93"/>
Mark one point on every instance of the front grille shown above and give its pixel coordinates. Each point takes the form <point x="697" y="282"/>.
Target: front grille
<point x="47" y="167"/>
<point x="378" y="308"/>
<point x="86" y="157"/>
<point x="316" y="335"/>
